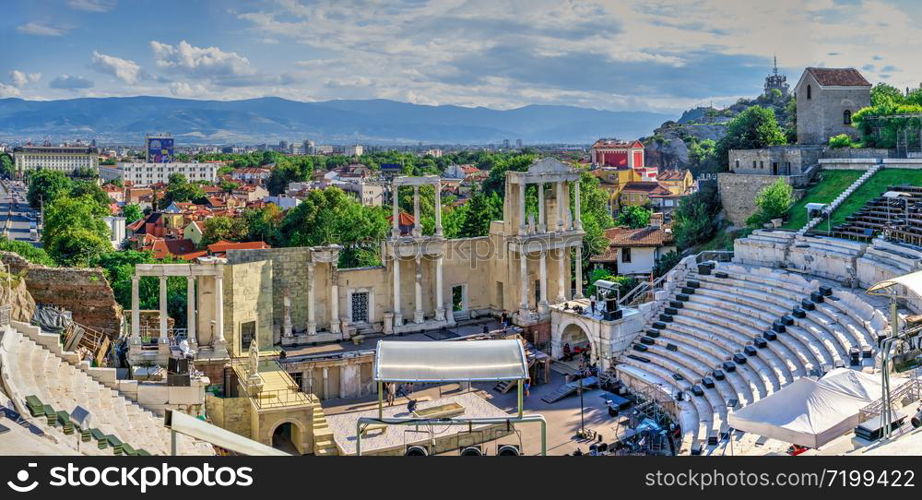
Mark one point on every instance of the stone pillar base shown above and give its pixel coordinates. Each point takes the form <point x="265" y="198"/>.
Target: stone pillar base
<point x="440" y="314"/>
<point x="312" y="328"/>
<point x="418" y="317"/>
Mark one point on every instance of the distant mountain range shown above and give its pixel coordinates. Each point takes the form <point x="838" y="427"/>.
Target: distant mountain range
<point x="270" y="119"/>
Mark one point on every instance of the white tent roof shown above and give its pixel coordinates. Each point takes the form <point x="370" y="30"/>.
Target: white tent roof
<point x="809" y="412"/>
<point x="912" y="281"/>
<point x="398" y="361"/>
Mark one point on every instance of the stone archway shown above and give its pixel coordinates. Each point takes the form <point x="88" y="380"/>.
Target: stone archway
<point x="577" y="338"/>
<point x="287" y="437"/>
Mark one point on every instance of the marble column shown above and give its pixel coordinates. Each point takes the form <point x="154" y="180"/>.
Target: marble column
<point x="135" y="307"/>
<point x="164" y="316"/>
<point x="560" y="206"/>
<point x="577" y="218"/>
<point x="561" y="274"/>
<point x="326" y="383"/>
<point x="439" y="294"/>
<point x="395" y="231"/>
<point x="523" y="281"/>
<point x="438" y="209"/>
<point x="542" y="305"/>
<point x="190" y="308"/>
<point x="522" y="224"/>
<point x="418" y="313"/>
<point x="311" y="300"/>
<point x="578" y="294"/>
<point x="219" y="308"/>
<point x="542" y="216"/>
<point x="334" y="298"/>
<point x="398" y="316"/>
<point x="417" y="225"/>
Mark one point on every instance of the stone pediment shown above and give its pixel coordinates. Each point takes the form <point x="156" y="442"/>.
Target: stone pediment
<point x="548" y="166"/>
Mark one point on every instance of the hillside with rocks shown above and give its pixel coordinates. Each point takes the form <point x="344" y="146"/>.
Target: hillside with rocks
<point x="676" y="144"/>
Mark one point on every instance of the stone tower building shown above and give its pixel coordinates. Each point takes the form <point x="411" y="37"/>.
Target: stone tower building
<point x="826" y="100"/>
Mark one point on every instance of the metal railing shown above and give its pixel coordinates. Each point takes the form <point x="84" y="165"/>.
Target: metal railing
<point x="278" y="398"/>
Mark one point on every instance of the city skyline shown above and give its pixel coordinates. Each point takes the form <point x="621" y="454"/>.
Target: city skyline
<point x="617" y="55"/>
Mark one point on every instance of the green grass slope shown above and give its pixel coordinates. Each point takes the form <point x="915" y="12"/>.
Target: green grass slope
<point x="830" y="185"/>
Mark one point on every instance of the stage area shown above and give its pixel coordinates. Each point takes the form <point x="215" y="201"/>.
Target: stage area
<point x="393" y="439"/>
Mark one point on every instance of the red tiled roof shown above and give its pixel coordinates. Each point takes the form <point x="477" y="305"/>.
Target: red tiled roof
<point x="614" y="143"/>
<point x="670" y="175"/>
<point x="405" y="219"/>
<point x="839" y="77"/>
<point x="651" y="188"/>
<point x="620" y="237"/>
<point x="224" y="246"/>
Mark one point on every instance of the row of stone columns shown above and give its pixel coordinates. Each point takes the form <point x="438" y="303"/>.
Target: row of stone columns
<point x="311" y="326"/>
<point x="576" y="222"/>
<point x="191" y="310"/>
<point x="418" y="313"/>
<point x="417" y="225"/>
<point x="563" y="257"/>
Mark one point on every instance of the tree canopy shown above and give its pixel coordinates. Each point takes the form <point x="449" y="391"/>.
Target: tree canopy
<point x="74" y="232"/>
<point x="756" y="127"/>
<point x="634" y="216"/>
<point x="773" y="201"/>
<point x="46" y="186"/>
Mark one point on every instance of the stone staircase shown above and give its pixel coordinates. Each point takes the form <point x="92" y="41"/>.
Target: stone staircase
<point x="834" y="204"/>
<point x="324" y="446"/>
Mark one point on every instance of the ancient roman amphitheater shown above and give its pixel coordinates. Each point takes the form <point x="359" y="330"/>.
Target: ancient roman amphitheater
<point x="778" y="342"/>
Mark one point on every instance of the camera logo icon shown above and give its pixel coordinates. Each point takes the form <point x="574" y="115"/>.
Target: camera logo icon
<point x="22" y="477"/>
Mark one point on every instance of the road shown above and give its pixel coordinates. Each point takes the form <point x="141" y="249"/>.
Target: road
<point x="16" y="217"/>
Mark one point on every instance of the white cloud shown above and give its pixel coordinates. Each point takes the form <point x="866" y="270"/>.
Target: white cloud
<point x="8" y="90"/>
<point x="200" y="61"/>
<point x="40" y="29"/>
<point x="20" y="79"/>
<point x="92" y="5"/>
<point x="125" y="70"/>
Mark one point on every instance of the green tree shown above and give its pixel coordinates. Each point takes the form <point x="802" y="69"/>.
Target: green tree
<point x="330" y="216"/>
<point x="756" y="127"/>
<point x="132" y="212"/>
<point x="6" y="165"/>
<point x="224" y="228"/>
<point x="91" y="190"/>
<point x="840" y="141"/>
<point x="263" y="224"/>
<point x="595" y="216"/>
<point x="694" y="221"/>
<point x="74" y="232"/>
<point x="77" y="246"/>
<point x="47" y="186"/>
<point x="634" y="216"/>
<point x="179" y="189"/>
<point x="885" y="94"/>
<point x="666" y="262"/>
<point x="773" y="201"/>
<point x="27" y="251"/>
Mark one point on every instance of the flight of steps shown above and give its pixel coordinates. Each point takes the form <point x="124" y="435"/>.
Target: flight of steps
<point x="790" y="326"/>
<point x="30" y="369"/>
<point x="841" y="198"/>
<point x="324" y="445"/>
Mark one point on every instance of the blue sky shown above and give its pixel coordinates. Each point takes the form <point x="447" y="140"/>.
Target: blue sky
<point x="660" y="55"/>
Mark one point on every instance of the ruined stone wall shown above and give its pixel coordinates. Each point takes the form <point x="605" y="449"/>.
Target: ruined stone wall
<point x="738" y="193"/>
<point x="85" y="292"/>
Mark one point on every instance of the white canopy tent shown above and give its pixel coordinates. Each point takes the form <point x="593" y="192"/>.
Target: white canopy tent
<point x="469" y="361"/>
<point x="184" y="424"/>
<point x="912" y="282"/>
<point x="809" y="412"/>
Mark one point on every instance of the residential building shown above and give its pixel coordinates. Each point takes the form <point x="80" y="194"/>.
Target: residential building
<point x="251" y="174"/>
<point x="618" y="154"/>
<point x="63" y="158"/>
<point x="145" y="174"/>
<point x="634" y="252"/>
